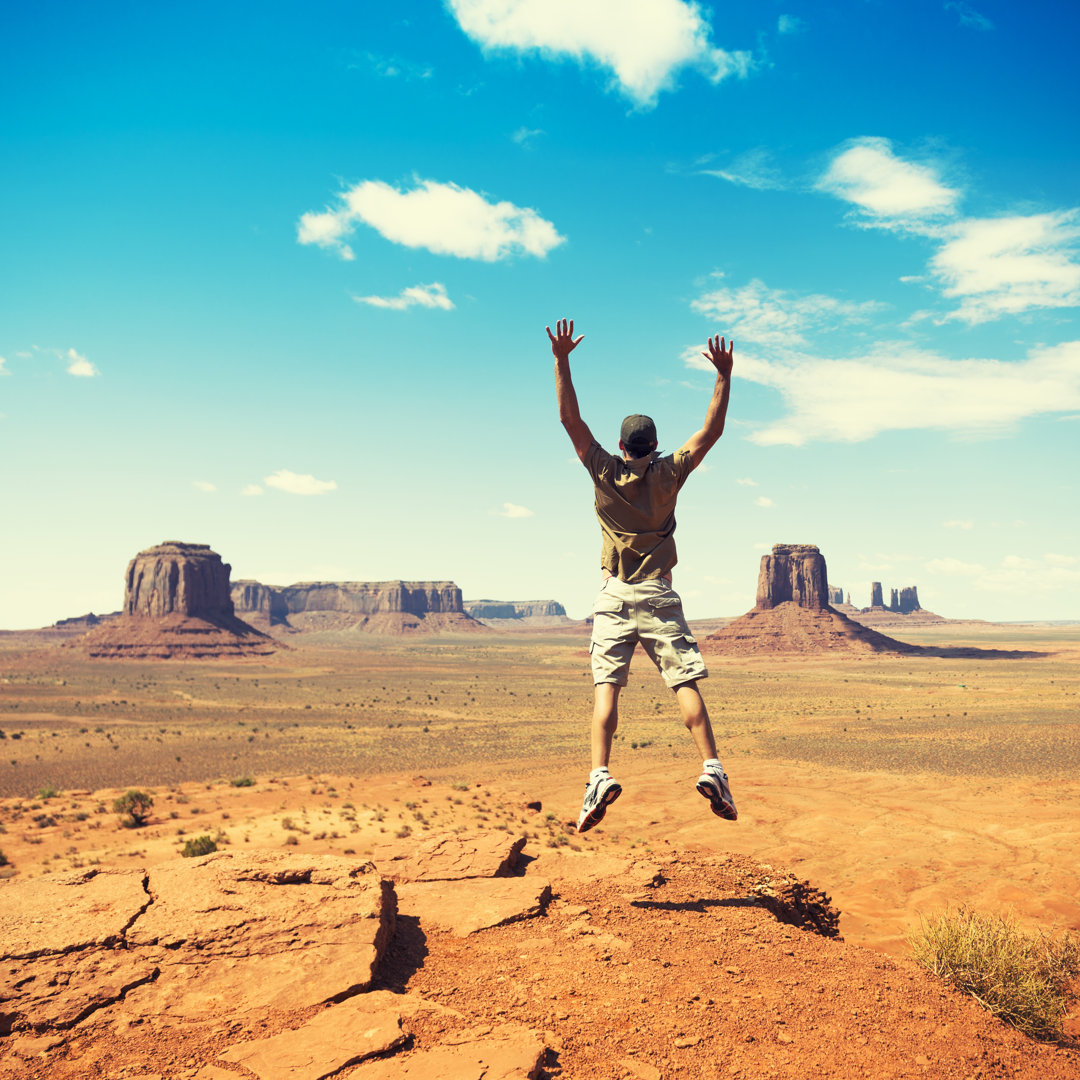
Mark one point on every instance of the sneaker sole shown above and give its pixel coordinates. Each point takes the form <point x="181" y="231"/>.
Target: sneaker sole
<point x="719" y="805"/>
<point x="596" y="815"/>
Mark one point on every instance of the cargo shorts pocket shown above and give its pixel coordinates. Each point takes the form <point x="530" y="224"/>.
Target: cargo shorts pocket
<point x="662" y="603"/>
<point x="607" y="605"/>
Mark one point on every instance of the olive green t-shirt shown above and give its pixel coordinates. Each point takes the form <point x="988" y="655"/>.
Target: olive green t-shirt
<point x="635" y="504"/>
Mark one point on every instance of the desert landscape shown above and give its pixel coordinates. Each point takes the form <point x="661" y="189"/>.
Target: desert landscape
<point x="876" y="785"/>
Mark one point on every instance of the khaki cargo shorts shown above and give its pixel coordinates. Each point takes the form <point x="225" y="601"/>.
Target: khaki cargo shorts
<point x="650" y="612"/>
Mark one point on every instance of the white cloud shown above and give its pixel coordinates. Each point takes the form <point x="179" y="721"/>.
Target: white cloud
<point x="326" y="230"/>
<point x="957" y="524"/>
<point x="752" y="169"/>
<point x="901" y="388"/>
<point x="790" y="24"/>
<point x="204" y="485"/>
<point x="1007" y="265"/>
<point x="644" y="43"/>
<point x="443" y="218"/>
<point x="428" y="296"/>
<point x="763" y="500"/>
<point x="251" y="489"/>
<point x="746" y="481"/>
<point x="968" y="16"/>
<point x="888" y="190"/>
<point x="2" y="363"/>
<point x="1052" y="573"/>
<point x="78" y="365"/>
<point x="298" y="483"/>
<point x="773" y="317"/>
<point x="512" y="510"/>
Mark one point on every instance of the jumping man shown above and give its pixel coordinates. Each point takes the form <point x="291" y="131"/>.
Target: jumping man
<point x="635" y="503"/>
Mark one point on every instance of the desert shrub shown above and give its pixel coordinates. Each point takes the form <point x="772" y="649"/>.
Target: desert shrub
<point x="3" y="859"/>
<point x="198" y="845"/>
<point x="133" y="807"/>
<point x="291" y="840"/>
<point x="49" y="792"/>
<point x="242" y="781"/>
<point x="1023" y="978"/>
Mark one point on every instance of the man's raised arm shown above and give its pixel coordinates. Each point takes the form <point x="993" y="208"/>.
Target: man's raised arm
<point x="562" y="345"/>
<point x="720" y="355"/>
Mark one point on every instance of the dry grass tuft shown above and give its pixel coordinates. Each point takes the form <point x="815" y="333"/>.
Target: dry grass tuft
<point x="1025" y="979"/>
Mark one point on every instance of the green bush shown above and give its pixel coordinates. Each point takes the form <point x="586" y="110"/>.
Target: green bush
<point x="49" y="792"/>
<point x="242" y="781"/>
<point x="133" y="807"/>
<point x="199" y="845"/>
<point x="1025" y="979"/>
<point x="3" y="859"/>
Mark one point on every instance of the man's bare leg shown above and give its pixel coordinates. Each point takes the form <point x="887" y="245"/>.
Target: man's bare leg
<point x="696" y="718"/>
<point x="713" y="782"/>
<point x="604" y="722"/>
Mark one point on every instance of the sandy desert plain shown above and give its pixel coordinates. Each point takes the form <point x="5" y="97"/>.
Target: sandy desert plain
<point x="899" y="785"/>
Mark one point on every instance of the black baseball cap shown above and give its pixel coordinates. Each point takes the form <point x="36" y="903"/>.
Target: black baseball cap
<point x="638" y="435"/>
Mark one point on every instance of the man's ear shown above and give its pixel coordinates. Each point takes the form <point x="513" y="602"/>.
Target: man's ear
<point x="621" y="447"/>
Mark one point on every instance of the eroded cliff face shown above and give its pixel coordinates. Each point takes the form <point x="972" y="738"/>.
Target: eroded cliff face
<point x="795" y="573"/>
<point x="348" y="597"/>
<point x="178" y="578"/>
<point x="514" y="609"/>
<point x="177" y="603"/>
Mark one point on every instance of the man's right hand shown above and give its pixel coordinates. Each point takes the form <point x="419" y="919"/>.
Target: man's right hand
<point x="720" y="357"/>
<point x="562" y="341"/>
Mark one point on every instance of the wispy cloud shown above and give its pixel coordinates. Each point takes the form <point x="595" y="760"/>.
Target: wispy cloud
<point x="525" y="136"/>
<point x="752" y="169"/>
<point x="79" y="366"/>
<point x="427" y="296"/>
<point x="745" y="481"/>
<point x="299" y="483"/>
<point x="1008" y="265"/>
<point x="790" y="24"/>
<point x="251" y="489"/>
<point x="886" y="190"/>
<point x="774" y="317"/>
<point x="998" y="266"/>
<point x="394" y="67"/>
<point x="902" y="388"/>
<point x="968" y="16"/>
<point x="1027" y="575"/>
<point x="2" y="363"/>
<point x="763" y="501"/>
<point x="443" y="218"/>
<point x="644" y="44"/>
<point x="512" y="510"/>
<point x="958" y="524"/>
<point x="204" y="485"/>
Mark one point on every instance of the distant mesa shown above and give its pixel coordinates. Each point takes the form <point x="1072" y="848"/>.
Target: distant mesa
<point x="520" y="614"/>
<point x="792" y="613"/>
<point x="338" y="608"/>
<point x="177" y="604"/>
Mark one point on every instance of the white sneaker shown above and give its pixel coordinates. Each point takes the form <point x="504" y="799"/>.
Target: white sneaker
<point x="598" y="794"/>
<point x="713" y="784"/>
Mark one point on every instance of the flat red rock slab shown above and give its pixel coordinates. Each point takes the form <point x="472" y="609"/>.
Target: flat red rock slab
<point x="97" y="907"/>
<point x="341" y="1035"/>
<point x="463" y="907"/>
<point x="451" y="857"/>
<point x="245" y="903"/>
<point x="507" y="1052"/>
<point x="54" y="993"/>
<point x="262" y="930"/>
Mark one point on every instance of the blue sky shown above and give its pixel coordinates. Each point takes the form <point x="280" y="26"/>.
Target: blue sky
<point x="276" y="276"/>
